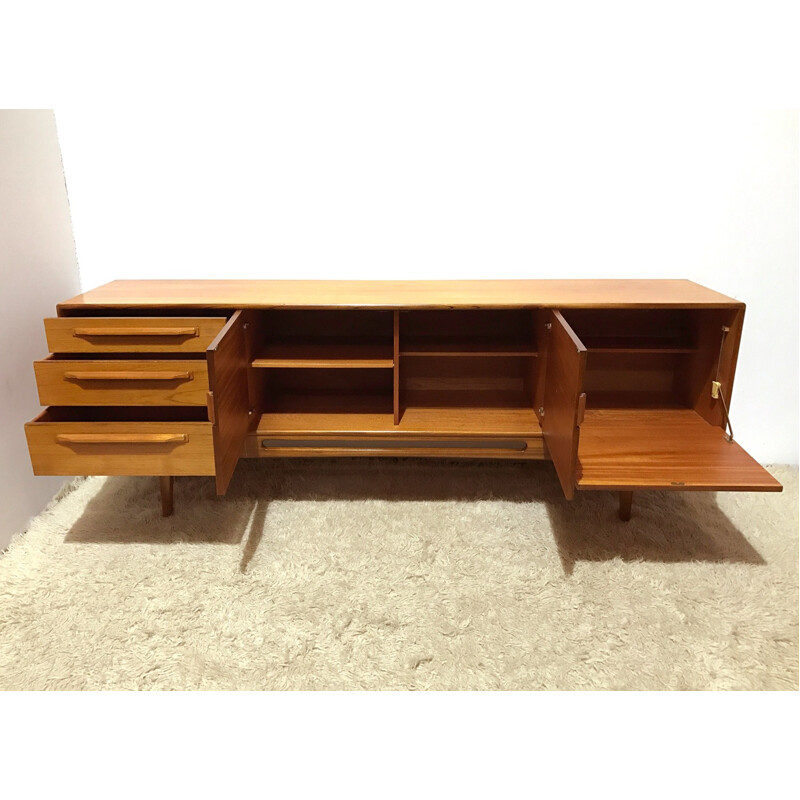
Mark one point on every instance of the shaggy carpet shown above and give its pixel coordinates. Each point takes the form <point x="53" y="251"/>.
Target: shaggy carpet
<point x="392" y="574"/>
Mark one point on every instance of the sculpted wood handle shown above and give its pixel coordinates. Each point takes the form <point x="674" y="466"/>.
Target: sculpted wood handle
<point x="121" y="438"/>
<point x="129" y="375"/>
<point x="136" y="332"/>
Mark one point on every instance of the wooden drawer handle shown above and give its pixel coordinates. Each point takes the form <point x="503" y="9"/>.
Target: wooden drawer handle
<point x="129" y="375"/>
<point x="135" y="332"/>
<point x="121" y="438"/>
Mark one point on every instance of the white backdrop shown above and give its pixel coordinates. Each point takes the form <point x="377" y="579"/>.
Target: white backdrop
<point x="324" y="176"/>
<point x="428" y="138"/>
<point x="37" y="270"/>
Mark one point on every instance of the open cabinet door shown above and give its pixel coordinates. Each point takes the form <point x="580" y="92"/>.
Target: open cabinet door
<point x="564" y="400"/>
<point x="229" y="404"/>
<point x="626" y="449"/>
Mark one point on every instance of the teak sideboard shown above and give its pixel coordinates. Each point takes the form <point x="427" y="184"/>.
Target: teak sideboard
<point x="623" y="384"/>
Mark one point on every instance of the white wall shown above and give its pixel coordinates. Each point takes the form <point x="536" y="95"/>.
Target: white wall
<point x="339" y="174"/>
<point x="38" y="268"/>
<point x="348" y="141"/>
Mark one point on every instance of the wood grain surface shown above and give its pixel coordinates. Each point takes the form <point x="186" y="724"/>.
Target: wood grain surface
<point x="628" y="449"/>
<point x="131" y="334"/>
<point x="503" y="422"/>
<point x="325" y="355"/>
<point x="228" y="364"/>
<point x="397" y="294"/>
<point x="108" y="382"/>
<point x="615" y="390"/>
<point x="566" y="364"/>
<point x="63" y="447"/>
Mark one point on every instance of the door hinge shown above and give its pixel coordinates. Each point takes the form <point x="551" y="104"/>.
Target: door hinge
<point x="581" y="411"/>
<point x="210" y="404"/>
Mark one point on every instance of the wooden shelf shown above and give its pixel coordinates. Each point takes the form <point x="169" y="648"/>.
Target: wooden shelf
<point x="440" y="346"/>
<point x="288" y="423"/>
<point x="422" y="421"/>
<point x="478" y="421"/>
<point x="340" y="354"/>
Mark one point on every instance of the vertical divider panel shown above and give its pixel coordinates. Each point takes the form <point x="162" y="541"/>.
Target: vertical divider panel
<point x="396" y="368"/>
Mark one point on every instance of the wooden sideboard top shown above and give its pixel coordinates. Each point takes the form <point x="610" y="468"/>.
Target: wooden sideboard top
<point x="398" y="294"/>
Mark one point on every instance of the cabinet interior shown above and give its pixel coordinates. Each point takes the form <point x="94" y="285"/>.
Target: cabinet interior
<point x="650" y="358"/>
<point x="387" y="370"/>
<point x="465" y="333"/>
<point x="403" y="368"/>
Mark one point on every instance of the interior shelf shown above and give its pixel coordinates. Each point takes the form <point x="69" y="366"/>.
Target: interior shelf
<point x="480" y="421"/>
<point x="453" y="372"/>
<point x="425" y="421"/>
<point x="339" y="354"/>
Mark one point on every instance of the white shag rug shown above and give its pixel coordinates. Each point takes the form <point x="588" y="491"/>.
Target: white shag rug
<point x="397" y="574"/>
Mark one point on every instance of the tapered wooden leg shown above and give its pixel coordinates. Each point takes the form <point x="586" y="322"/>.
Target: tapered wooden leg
<point x="166" y="495"/>
<point x="625" y="500"/>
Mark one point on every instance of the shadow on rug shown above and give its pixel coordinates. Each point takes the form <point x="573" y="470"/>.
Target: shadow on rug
<point x="391" y="574"/>
<point x="667" y="527"/>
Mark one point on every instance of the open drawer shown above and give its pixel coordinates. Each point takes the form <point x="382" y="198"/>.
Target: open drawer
<point x="121" y="441"/>
<point x="627" y="401"/>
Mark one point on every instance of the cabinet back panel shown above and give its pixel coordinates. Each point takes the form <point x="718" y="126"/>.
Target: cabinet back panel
<point x="320" y="391"/>
<point x="700" y="369"/>
<point x="631" y="380"/>
<point x="595" y="327"/>
<point x="512" y="325"/>
<point x="372" y="326"/>
<point x="649" y="358"/>
<point x="464" y="382"/>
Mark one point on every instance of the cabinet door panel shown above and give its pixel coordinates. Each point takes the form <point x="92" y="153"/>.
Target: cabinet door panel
<point x="624" y="449"/>
<point x="563" y="401"/>
<point x="228" y="363"/>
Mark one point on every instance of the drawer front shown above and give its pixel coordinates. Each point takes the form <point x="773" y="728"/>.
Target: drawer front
<point x="120" y="448"/>
<point x="131" y="334"/>
<point x="121" y="382"/>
